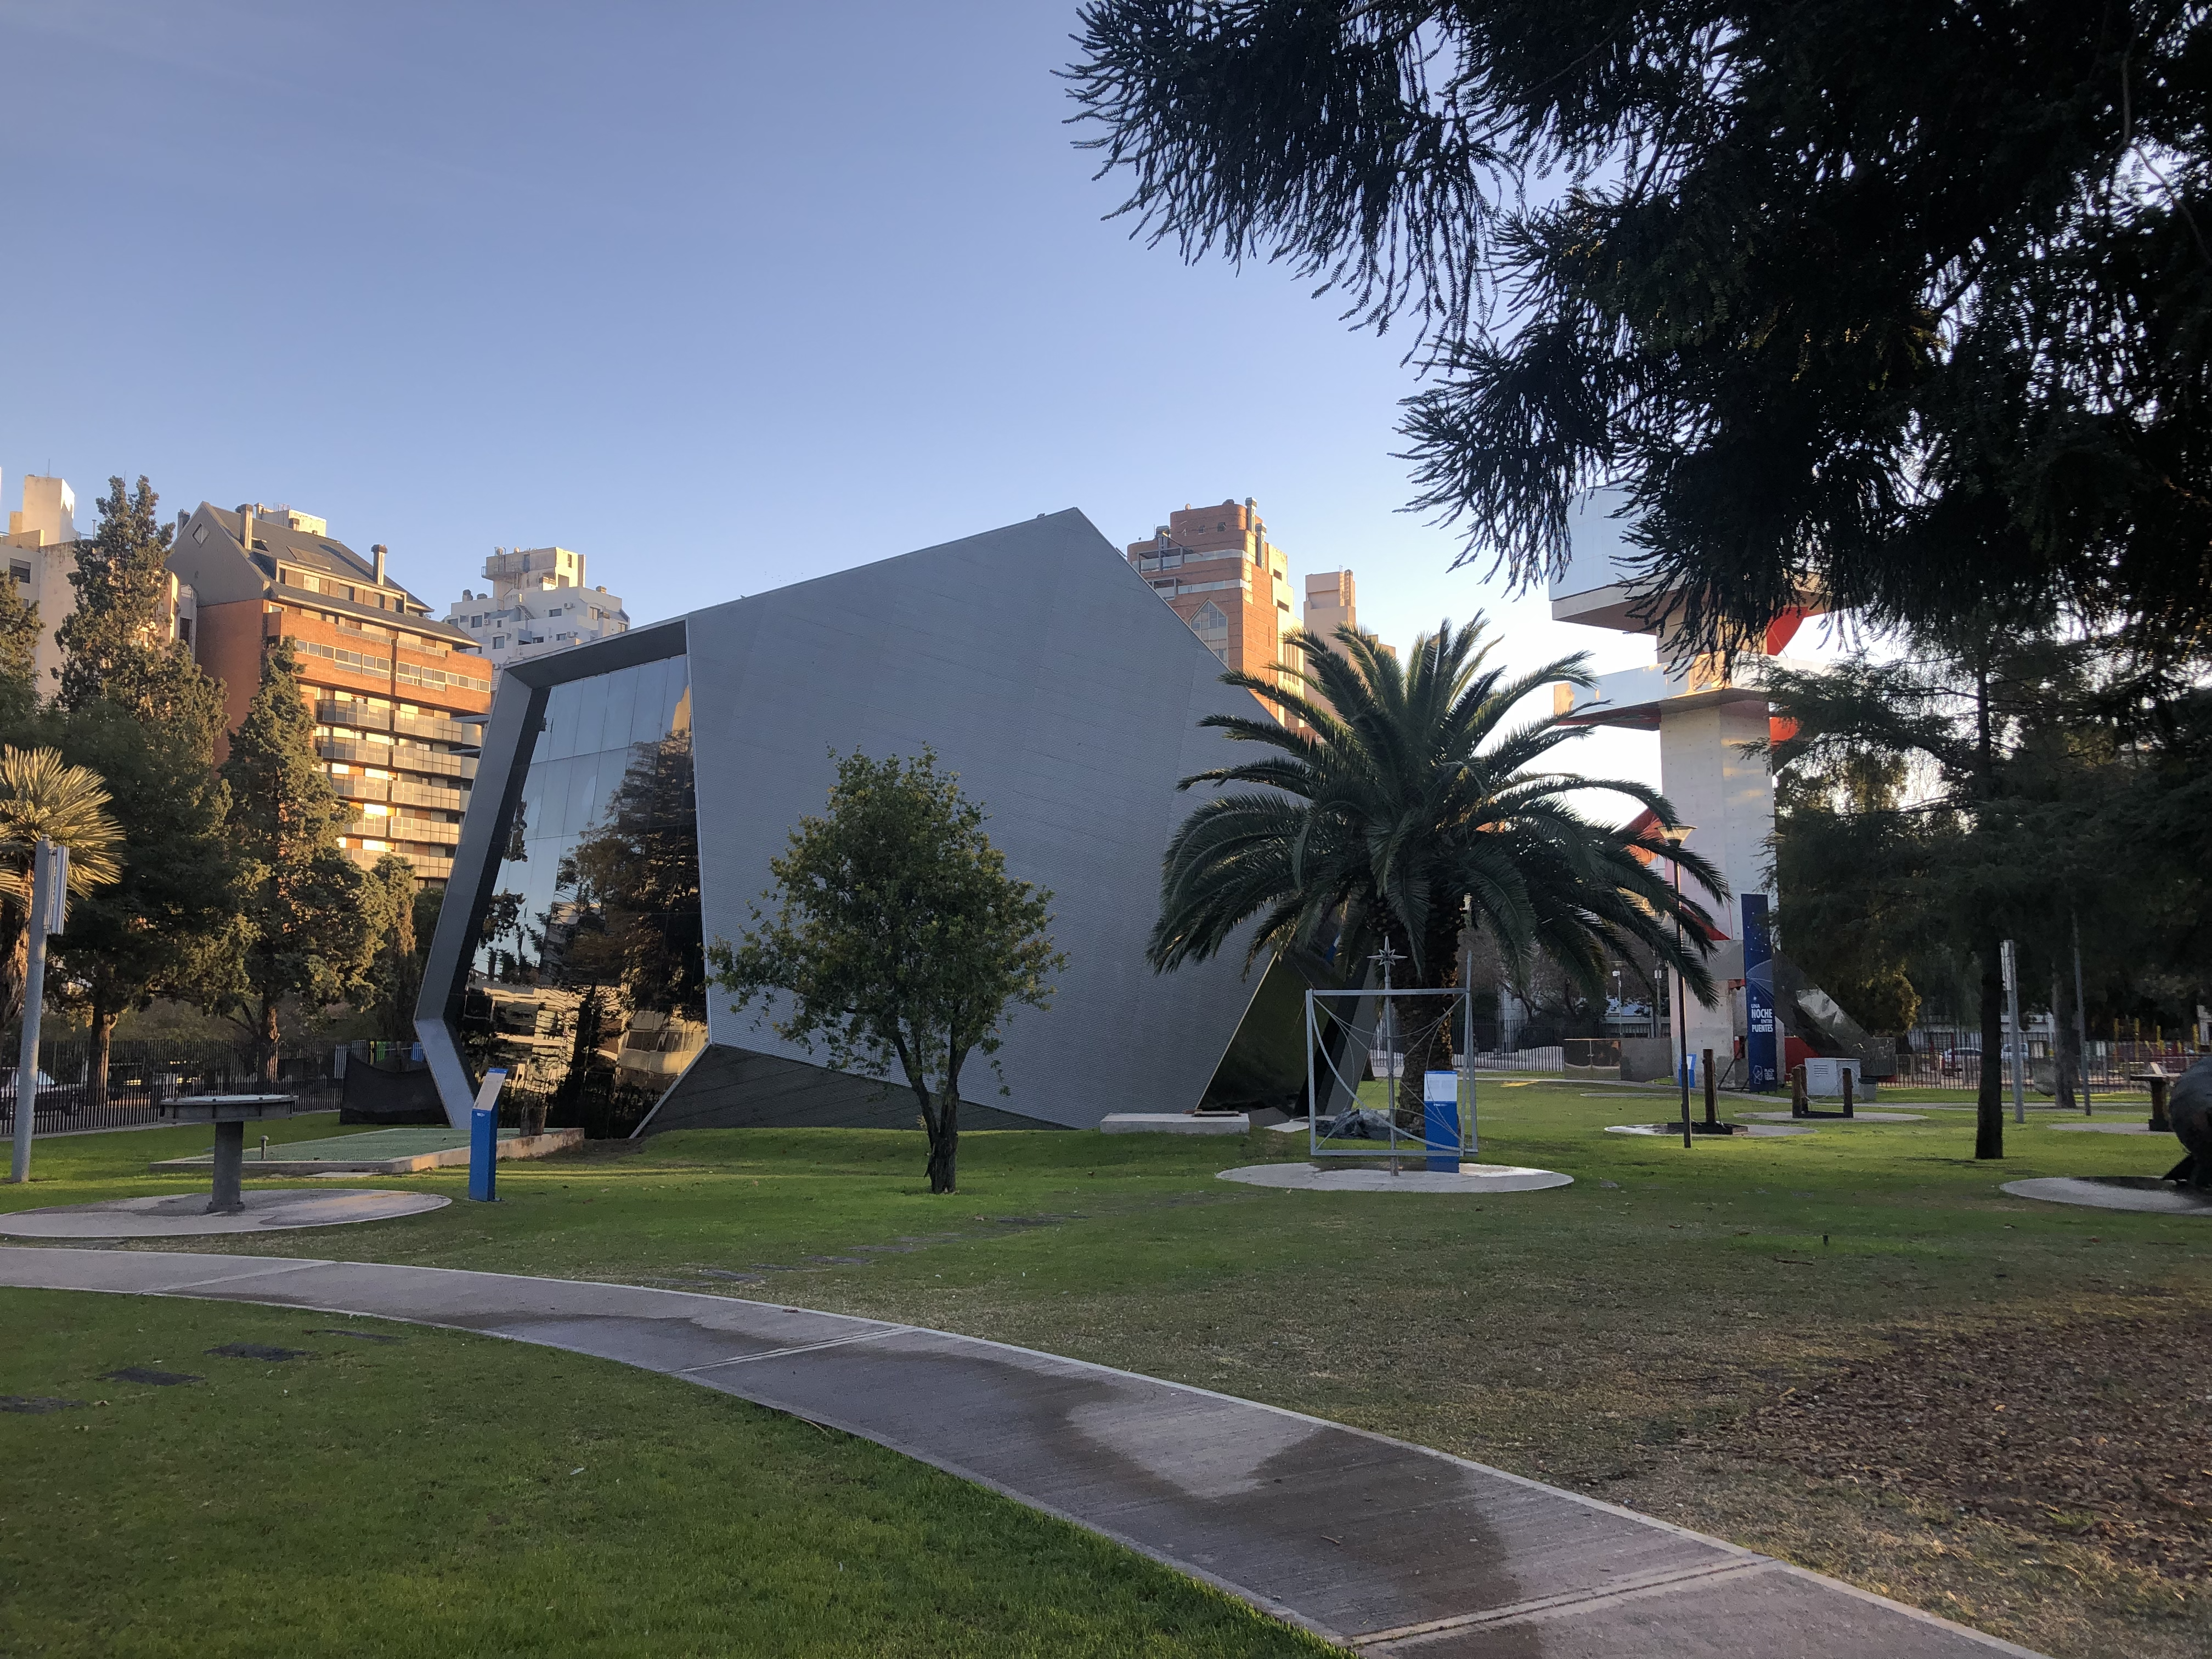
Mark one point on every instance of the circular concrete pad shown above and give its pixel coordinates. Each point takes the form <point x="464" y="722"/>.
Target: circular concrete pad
<point x="1857" y="1116"/>
<point x="184" y="1214"/>
<point x="1471" y="1178"/>
<point x="1761" y="1131"/>
<point x="2144" y="1193"/>
<point x="2108" y="1128"/>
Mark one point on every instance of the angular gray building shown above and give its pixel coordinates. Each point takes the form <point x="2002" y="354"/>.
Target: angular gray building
<point x="631" y="791"/>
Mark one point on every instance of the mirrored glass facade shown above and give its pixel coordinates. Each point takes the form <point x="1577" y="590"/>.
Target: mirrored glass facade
<point x="588" y="976"/>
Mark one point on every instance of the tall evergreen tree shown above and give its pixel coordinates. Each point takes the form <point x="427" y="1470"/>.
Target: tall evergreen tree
<point x="119" y="631"/>
<point x="304" y="934"/>
<point x="19" y="644"/>
<point x="1909" y="300"/>
<point x="395" y="973"/>
<point x="134" y="708"/>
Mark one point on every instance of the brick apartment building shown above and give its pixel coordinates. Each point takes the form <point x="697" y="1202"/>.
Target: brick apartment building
<point x="398" y="697"/>
<point x="1216" y="569"/>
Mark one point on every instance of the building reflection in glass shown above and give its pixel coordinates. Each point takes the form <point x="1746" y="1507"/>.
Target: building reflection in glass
<point x="589" y="977"/>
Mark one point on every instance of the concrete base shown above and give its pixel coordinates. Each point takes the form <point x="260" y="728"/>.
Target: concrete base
<point x="1173" y="1123"/>
<point x="183" y="1215"/>
<point x="2144" y="1193"/>
<point x="1857" y="1116"/>
<point x="1759" y="1131"/>
<point x="2109" y="1129"/>
<point x="1472" y="1178"/>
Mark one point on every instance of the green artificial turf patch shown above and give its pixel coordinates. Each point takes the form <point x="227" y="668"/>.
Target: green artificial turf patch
<point x="395" y="1491"/>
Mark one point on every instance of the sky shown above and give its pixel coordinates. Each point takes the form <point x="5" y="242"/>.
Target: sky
<point x="720" y="295"/>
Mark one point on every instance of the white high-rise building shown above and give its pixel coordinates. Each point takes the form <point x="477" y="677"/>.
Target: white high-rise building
<point x="41" y="543"/>
<point x="537" y="603"/>
<point x="1713" y="725"/>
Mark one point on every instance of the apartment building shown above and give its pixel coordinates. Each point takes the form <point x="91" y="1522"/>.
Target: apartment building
<point x="400" y="696"/>
<point x="537" y="603"/>
<point x="41" y="551"/>
<point x="1216" y="568"/>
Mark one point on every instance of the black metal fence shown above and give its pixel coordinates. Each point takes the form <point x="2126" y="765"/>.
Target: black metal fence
<point x="142" y="1078"/>
<point x="1940" y="1057"/>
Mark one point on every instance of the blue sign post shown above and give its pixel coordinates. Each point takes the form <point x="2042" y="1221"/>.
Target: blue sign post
<point x="484" y="1139"/>
<point x="1440" y="1120"/>
<point x="1760" y="1058"/>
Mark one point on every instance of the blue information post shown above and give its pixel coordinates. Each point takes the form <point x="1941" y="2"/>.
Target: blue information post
<point x="484" y="1139"/>
<point x="1760" y="1059"/>
<point x="1440" y="1120"/>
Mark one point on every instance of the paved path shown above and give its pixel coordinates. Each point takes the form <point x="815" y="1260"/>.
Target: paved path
<point x="1389" y="1548"/>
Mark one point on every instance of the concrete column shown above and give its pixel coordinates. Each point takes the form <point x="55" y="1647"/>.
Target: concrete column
<point x="229" y="1157"/>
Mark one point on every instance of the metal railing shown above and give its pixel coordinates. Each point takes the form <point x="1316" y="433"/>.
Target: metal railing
<point x="358" y="714"/>
<point x="144" y="1076"/>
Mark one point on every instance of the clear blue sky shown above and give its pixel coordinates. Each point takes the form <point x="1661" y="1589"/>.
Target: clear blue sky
<point x="720" y="295"/>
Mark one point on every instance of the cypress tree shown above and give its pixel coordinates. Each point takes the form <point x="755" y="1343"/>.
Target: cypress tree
<point x="134" y="707"/>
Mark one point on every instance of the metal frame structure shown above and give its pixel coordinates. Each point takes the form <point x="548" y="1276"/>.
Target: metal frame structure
<point x="1348" y="1058"/>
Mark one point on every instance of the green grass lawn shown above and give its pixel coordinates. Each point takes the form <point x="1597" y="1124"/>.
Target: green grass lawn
<point x="443" y="1494"/>
<point x="1714" y="1335"/>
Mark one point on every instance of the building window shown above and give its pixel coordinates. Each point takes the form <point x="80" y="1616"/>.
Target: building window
<point x="1210" y="625"/>
<point x="20" y="569"/>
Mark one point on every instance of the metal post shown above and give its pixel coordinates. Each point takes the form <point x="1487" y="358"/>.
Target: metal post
<point x="2016" y="1049"/>
<point x="1712" y="1093"/>
<point x="2080" y="1024"/>
<point x="1849" y="1076"/>
<point x="35" y="995"/>
<point x="1681" y="1015"/>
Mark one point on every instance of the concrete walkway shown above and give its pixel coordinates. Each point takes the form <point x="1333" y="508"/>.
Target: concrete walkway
<point x="1386" y="1547"/>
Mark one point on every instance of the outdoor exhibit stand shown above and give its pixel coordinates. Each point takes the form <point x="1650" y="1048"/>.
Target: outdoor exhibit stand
<point x="230" y="1114"/>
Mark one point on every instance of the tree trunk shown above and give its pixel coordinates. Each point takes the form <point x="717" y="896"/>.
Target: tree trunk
<point x="1989" y="1098"/>
<point x="944" y="1133"/>
<point x="265" y="1043"/>
<point x="103" y="1035"/>
<point x="2065" y="1050"/>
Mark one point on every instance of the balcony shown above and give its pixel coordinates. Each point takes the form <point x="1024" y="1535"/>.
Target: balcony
<point x="353" y="751"/>
<point x="429" y="728"/>
<point x="358" y="714"/>
<point x="399" y="756"/>
<point x="424" y="794"/>
<point x="435" y="830"/>
<point x="351" y="787"/>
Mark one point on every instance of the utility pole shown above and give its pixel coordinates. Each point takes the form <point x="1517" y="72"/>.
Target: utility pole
<point x="49" y="890"/>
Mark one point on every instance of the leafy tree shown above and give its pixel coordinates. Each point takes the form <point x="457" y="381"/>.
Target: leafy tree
<point x="304" y="933"/>
<point x="1908" y="301"/>
<point x="44" y="797"/>
<point x="2002" y="753"/>
<point x="134" y="708"/>
<point x="1408" y="794"/>
<point x="897" y="935"/>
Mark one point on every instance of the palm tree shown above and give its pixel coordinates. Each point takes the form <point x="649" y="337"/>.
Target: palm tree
<point x="1409" y="804"/>
<point x="43" y="797"/>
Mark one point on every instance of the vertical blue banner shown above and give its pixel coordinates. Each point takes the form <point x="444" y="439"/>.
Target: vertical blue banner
<point x="1761" y="1041"/>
